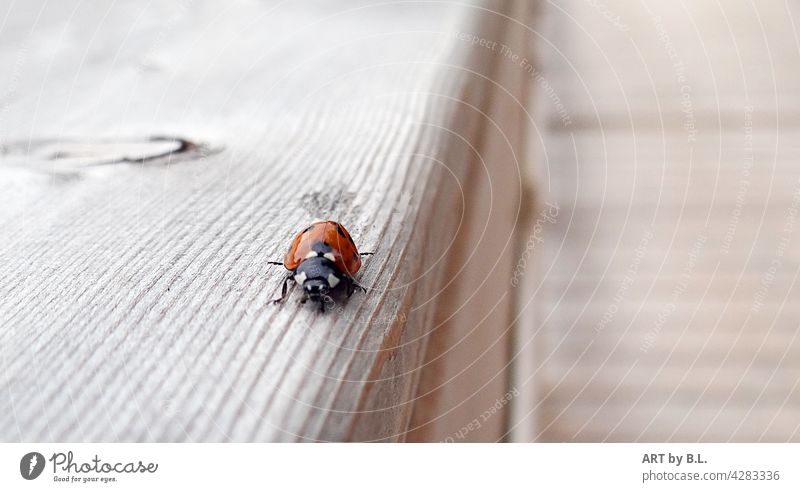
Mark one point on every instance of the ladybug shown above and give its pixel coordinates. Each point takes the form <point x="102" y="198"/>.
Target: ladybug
<point x="321" y="257"/>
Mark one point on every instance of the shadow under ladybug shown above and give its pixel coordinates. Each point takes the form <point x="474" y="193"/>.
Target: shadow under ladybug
<point x="321" y="258"/>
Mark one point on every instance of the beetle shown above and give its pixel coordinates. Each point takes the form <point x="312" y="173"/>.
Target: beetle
<point x="321" y="257"/>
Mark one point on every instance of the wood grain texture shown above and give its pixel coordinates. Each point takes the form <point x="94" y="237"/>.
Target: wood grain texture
<point x="134" y="288"/>
<point x="466" y="387"/>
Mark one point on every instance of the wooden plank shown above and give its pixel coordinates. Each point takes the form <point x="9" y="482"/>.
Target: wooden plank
<point x="134" y="289"/>
<point x="465" y="390"/>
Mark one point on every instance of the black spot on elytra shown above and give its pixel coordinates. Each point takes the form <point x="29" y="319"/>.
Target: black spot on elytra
<point x="321" y="248"/>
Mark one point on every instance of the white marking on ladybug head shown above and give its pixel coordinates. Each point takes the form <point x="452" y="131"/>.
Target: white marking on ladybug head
<point x="330" y="256"/>
<point x="333" y="280"/>
<point x="311" y="254"/>
<point x="300" y="278"/>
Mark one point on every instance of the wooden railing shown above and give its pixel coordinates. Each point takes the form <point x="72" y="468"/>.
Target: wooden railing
<point x="156" y="158"/>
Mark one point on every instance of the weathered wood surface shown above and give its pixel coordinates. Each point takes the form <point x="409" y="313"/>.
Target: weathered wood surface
<point x="666" y="290"/>
<point x="134" y="288"/>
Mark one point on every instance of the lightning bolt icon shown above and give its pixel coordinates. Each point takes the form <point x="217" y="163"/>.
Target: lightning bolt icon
<point x="32" y="464"/>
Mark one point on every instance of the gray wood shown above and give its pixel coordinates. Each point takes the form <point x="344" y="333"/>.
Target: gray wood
<point x="134" y="289"/>
<point x="688" y="345"/>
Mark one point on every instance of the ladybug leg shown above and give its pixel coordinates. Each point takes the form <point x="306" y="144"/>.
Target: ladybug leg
<point x="274" y="263"/>
<point x="366" y="254"/>
<point x="352" y="285"/>
<point x="284" y="289"/>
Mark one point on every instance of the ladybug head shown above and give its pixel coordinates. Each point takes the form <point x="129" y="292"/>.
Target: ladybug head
<point x="318" y="276"/>
<point x="316" y="288"/>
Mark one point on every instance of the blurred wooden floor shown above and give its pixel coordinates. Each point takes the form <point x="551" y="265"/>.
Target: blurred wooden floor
<point x="667" y="294"/>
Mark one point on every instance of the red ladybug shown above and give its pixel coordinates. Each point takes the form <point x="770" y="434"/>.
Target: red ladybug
<point x="322" y="256"/>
